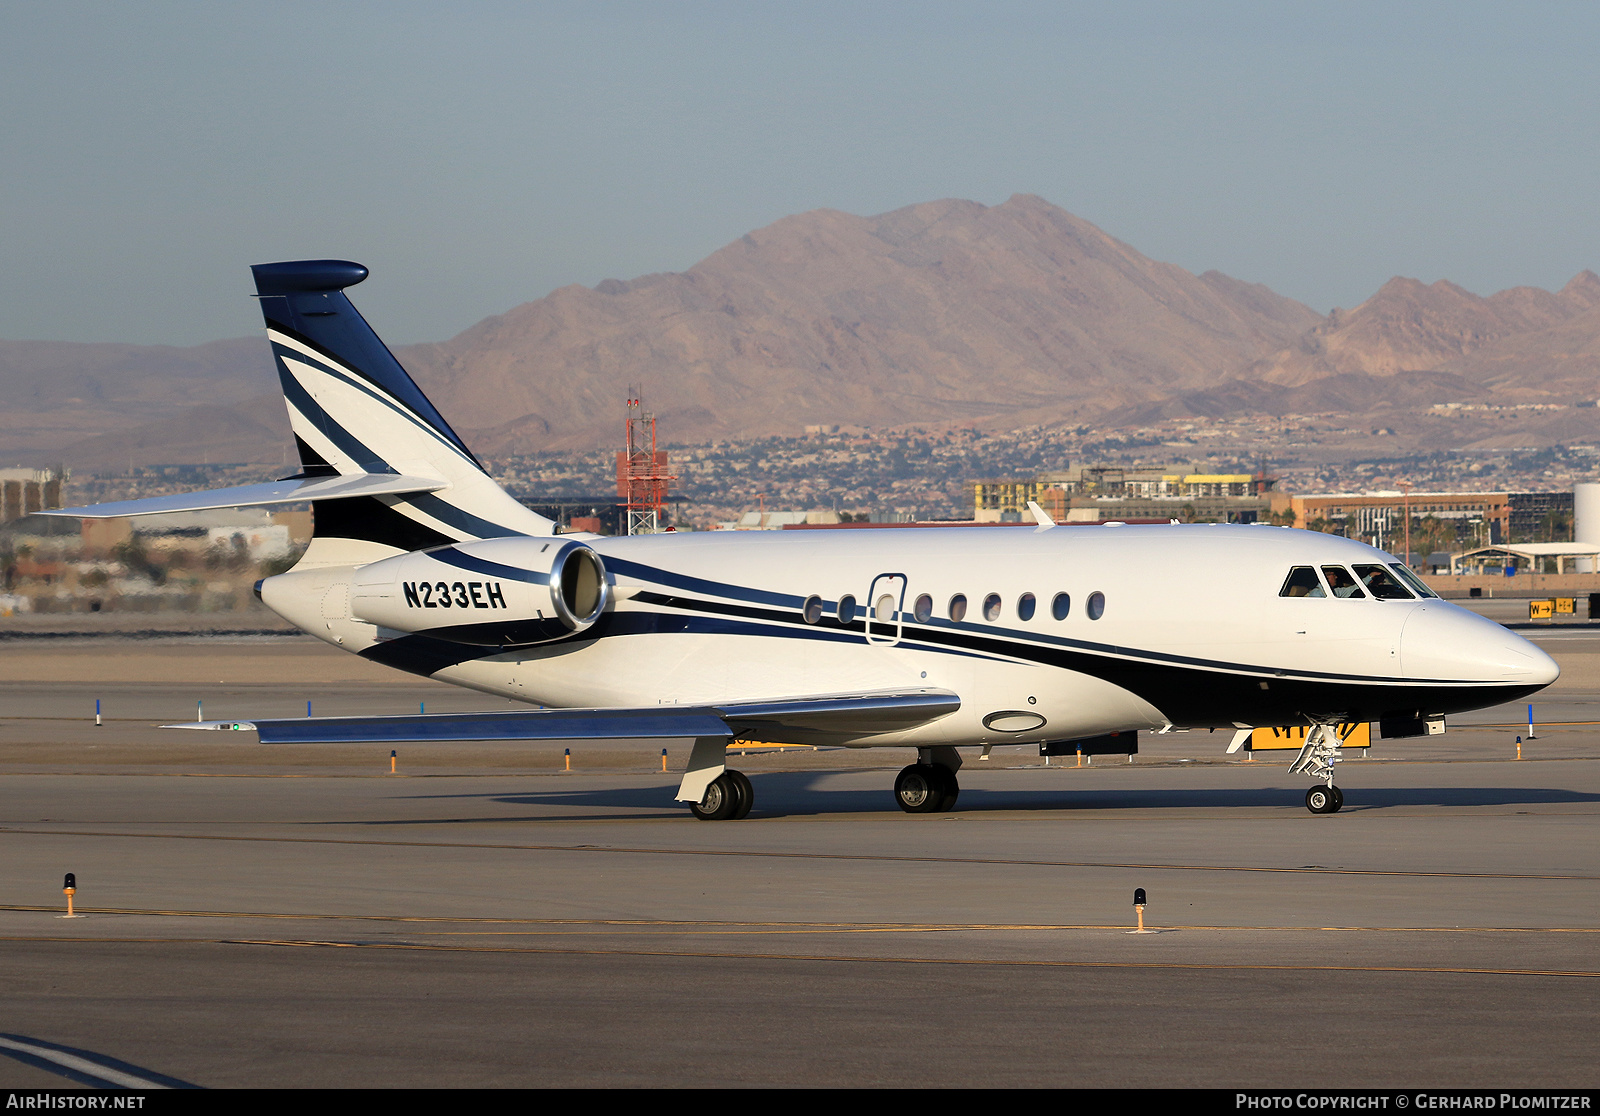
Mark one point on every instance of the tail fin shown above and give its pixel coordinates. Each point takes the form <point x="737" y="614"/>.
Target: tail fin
<point x="383" y="470"/>
<point x="355" y="412"/>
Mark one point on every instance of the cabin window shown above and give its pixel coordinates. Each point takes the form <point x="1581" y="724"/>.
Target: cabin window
<point x="923" y="609"/>
<point x="1302" y="582"/>
<point x="1381" y="584"/>
<point x="1416" y="584"/>
<point x="991" y="607"/>
<point x="811" y="611"/>
<point x="1342" y="582"/>
<point x="1060" y="606"/>
<point x="958" y="607"/>
<point x="1025" y="606"/>
<point x="847" y="609"/>
<point x="1097" y="605"/>
<point x="883" y="611"/>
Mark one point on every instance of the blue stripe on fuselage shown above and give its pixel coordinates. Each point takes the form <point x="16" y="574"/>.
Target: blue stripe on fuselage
<point x="450" y="556"/>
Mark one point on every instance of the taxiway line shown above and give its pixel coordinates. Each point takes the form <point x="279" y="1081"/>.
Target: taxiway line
<point x="1313" y="870"/>
<point x="419" y="947"/>
<point x="748" y="927"/>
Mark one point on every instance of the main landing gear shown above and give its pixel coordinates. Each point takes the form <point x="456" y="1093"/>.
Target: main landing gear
<point x="1316" y="759"/>
<point x="929" y="786"/>
<point x="729" y="797"/>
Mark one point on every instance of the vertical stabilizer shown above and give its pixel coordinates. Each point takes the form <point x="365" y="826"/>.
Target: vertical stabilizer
<point x="354" y="410"/>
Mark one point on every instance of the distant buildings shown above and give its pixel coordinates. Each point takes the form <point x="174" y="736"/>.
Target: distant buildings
<point x="1440" y="521"/>
<point x="1100" y="493"/>
<point x="24" y="491"/>
<point x="776" y="520"/>
<point x="1379" y="518"/>
<point x="1450" y="520"/>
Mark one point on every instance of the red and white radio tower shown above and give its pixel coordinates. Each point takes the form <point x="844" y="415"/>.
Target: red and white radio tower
<point x="642" y="474"/>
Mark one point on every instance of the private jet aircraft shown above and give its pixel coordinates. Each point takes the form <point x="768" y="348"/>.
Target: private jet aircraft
<point x="933" y="639"/>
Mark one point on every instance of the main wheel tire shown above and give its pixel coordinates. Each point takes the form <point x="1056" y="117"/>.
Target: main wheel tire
<point x="1338" y="799"/>
<point x="918" y="789"/>
<point x="746" y="793"/>
<point x="720" y="802"/>
<point x="951" y="788"/>
<point x="1321" y="800"/>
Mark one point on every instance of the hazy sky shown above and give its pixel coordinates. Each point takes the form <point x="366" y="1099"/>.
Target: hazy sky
<point x="478" y="155"/>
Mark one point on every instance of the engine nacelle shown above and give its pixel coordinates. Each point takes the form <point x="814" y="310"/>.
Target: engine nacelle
<point x="512" y="592"/>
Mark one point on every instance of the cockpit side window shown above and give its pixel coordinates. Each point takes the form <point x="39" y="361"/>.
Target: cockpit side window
<point x="1302" y="582"/>
<point x="1381" y="584"/>
<point x="1341" y="582"/>
<point x="1412" y="581"/>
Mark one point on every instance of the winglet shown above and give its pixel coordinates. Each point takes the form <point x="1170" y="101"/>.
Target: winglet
<point x="1040" y="516"/>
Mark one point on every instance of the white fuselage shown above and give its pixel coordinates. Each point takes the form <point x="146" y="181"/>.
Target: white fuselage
<point x="1193" y="630"/>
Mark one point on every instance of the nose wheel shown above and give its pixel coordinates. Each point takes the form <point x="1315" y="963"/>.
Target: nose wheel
<point x="1324" y="800"/>
<point x="926" y="788"/>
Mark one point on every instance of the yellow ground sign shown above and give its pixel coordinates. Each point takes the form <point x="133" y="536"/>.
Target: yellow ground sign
<point x="1541" y="610"/>
<point x="1358" y="735"/>
<point x="1566" y="605"/>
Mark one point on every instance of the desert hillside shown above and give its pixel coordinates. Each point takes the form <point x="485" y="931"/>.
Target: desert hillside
<point x="950" y="311"/>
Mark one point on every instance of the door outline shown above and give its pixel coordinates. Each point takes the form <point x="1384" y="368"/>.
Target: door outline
<point x="886" y="633"/>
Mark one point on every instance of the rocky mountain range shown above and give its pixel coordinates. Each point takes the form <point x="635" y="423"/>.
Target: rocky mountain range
<point x="944" y="312"/>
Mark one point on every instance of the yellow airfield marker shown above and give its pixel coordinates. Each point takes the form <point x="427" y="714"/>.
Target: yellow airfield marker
<point x="1138" y="905"/>
<point x="69" y="887"/>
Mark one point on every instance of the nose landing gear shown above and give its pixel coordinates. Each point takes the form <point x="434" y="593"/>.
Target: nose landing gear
<point x="1316" y="759"/>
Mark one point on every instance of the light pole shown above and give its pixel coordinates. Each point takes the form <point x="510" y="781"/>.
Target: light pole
<point x="1405" y="486"/>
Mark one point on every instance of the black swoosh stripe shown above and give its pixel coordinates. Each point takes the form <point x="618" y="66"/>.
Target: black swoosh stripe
<point x="1186" y="695"/>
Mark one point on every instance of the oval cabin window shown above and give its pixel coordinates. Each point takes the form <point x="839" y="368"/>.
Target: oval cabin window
<point x="1097" y="605"/>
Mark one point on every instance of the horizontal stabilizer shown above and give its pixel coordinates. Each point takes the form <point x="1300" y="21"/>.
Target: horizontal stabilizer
<point x="262" y="495"/>
<point x="845" y="714"/>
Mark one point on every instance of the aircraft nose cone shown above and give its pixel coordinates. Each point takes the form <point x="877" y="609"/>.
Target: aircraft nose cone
<point x="1444" y="641"/>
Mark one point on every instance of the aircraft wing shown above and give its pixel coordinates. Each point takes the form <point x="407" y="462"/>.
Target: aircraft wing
<point x="791" y="720"/>
<point x="296" y="491"/>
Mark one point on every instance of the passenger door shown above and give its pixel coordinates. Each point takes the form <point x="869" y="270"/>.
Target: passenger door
<point x="885" y="600"/>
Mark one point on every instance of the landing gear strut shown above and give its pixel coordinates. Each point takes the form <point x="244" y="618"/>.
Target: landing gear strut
<point x="729" y="796"/>
<point x="1316" y="759"/>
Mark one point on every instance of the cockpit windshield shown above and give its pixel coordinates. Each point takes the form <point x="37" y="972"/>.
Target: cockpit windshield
<point x="1412" y="581"/>
<point x="1381" y="584"/>
<point x="1340" y="581"/>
